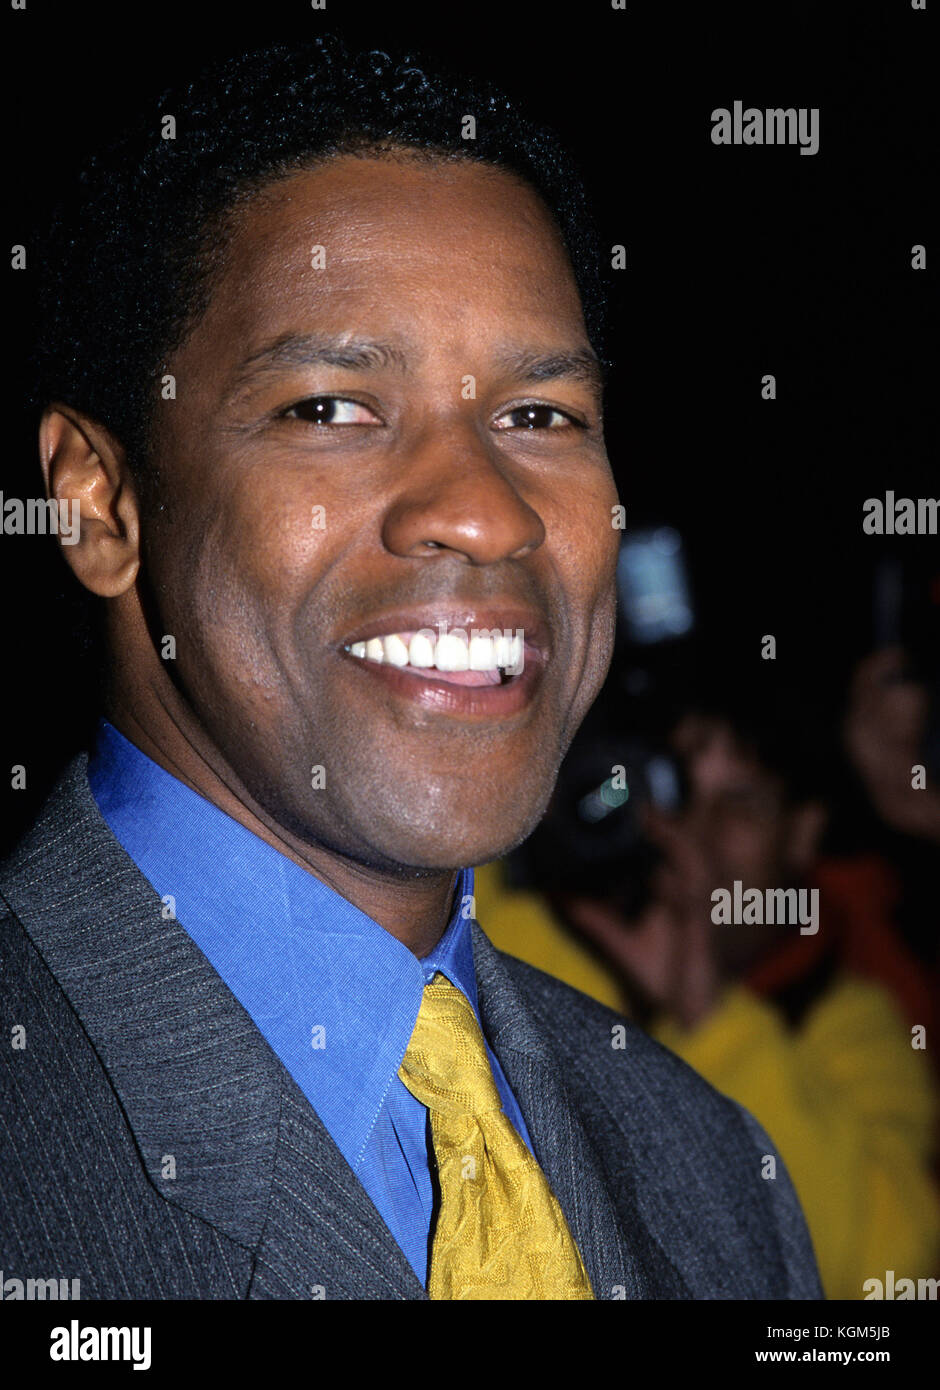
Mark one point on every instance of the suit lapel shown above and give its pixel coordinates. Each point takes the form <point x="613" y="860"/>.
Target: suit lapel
<point x="622" y="1258"/>
<point x="324" y="1239"/>
<point x="223" y="1130"/>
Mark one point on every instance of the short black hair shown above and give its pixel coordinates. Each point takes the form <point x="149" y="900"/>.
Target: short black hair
<point x="129" y="259"/>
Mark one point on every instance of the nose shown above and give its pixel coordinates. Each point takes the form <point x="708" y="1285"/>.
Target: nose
<point x="459" y="495"/>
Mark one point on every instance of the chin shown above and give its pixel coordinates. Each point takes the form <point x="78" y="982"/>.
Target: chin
<point x="462" y="840"/>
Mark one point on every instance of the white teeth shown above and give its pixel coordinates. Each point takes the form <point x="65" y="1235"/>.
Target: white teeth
<point x="421" y="650"/>
<point x="450" y="651"/>
<point x="396" y="651"/>
<point x="482" y="654"/>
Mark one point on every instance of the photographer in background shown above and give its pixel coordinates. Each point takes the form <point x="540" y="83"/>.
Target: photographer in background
<point x="811" y="1032"/>
<point x="819" y="1034"/>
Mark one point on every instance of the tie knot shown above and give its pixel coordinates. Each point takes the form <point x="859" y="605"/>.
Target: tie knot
<point x="445" y="1065"/>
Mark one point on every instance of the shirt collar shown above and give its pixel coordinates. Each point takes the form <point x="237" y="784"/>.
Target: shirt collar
<point x="335" y="995"/>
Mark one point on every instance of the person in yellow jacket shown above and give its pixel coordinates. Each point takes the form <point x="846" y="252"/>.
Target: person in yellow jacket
<point x="819" y="1034"/>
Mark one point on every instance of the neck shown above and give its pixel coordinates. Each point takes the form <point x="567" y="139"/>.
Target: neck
<point x="415" y="910"/>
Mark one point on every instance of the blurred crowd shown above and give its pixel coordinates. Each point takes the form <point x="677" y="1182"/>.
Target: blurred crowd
<point x="828" y="1037"/>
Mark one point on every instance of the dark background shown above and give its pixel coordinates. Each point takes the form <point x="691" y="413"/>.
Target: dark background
<point x="741" y="261"/>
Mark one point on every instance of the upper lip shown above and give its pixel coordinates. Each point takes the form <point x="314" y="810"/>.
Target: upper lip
<point x="466" y="617"/>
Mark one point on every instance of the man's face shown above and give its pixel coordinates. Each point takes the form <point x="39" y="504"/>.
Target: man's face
<point x="429" y="495"/>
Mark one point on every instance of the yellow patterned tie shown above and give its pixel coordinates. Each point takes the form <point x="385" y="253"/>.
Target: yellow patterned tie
<point x="500" y="1232"/>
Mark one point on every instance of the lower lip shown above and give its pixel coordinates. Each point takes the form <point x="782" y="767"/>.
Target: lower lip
<point x="464" y="701"/>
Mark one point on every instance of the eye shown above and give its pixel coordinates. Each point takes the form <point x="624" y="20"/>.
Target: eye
<point x="534" y="416"/>
<point x="331" y="410"/>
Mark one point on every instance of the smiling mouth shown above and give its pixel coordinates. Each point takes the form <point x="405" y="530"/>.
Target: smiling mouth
<point x="491" y="658"/>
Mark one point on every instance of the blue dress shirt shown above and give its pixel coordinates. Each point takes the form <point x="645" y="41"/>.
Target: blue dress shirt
<point x="335" y="995"/>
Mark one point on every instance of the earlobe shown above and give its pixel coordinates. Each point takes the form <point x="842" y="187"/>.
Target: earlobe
<point x="85" y="471"/>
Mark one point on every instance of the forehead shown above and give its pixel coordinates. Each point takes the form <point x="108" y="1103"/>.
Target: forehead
<point x="373" y="239"/>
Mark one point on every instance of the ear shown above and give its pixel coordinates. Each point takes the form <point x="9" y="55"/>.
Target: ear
<point x="85" y="469"/>
<point x="805" y="828"/>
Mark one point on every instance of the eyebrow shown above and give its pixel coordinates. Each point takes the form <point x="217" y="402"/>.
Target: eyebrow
<point x="529" y="365"/>
<point x="363" y="354"/>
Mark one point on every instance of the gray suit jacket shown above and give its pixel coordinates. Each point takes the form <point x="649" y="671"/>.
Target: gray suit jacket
<point x="137" y="1054"/>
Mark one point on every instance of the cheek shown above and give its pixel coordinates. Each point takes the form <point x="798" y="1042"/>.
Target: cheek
<point x="228" y="576"/>
<point x="585" y="547"/>
<point x="592" y="545"/>
<point x="583" y="539"/>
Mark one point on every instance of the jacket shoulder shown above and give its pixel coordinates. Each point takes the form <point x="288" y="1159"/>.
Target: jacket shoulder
<point x="585" y="1022"/>
<point x="75" y="1198"/>
<point x="697" y="1165"/>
